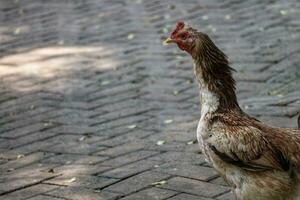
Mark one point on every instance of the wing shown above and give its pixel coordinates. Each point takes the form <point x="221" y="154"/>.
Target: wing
<point x="239" y="141"/>
<point x="287" y="142"/>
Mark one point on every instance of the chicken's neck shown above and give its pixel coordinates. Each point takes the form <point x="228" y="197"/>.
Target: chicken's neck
<point x="217" y="88"/>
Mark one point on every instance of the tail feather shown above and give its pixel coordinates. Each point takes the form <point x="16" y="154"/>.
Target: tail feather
<point x="299" y="121"/>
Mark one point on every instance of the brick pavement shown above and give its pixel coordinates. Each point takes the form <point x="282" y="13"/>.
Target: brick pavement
<point x="94" y="107"/>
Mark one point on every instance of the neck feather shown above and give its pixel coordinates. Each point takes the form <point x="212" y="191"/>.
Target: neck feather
<point x="214" y="76"/>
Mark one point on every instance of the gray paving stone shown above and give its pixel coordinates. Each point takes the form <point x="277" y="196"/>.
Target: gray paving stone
<point x="130" y="169"/>
<point x="137" y="182"/>
<point x="80" y="193"/>
<point x="30" y="192"/>
<point x="189" y="171"/>
<point x="74" y="159"/>
<point x="151" y="194"/>
<point x="194" y="187"/>
<point x="130" y="157"/>
<point x="86" y="181"/>
<point x="44" y="197"/>
<point x="24" y="177"/>
<point x="91" y="82"/>
<point x="188" y="197"/>
<point x="227" y="196"/>
<point x="23" y="161"/>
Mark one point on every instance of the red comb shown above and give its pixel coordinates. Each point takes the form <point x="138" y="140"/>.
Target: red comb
<point x="179" y="26"/>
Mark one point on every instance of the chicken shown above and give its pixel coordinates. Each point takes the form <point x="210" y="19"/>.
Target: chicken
<point x="259" y="161"/>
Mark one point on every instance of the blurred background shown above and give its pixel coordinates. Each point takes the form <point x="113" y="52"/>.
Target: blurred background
<point x="94" y="107"/>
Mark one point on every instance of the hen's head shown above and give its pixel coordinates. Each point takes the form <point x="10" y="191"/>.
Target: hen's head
<point x="192" y="41"/>
<point x="183" y="36"/>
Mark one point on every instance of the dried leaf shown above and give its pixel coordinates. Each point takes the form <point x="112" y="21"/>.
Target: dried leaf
<point x="168" y="121"/>
<point x="171" y="6"/>
<point x="105" y="82"/>
<point x="246" y="107"/>
<point x="20" y="156"/>
<point x="159" y="183"/>
<point x="165" y="30"/>
<point x="212" y="28"/>
<point x="175" y="92"/>
<point x="189" y="82"/>
<point x="283" y="12"/>
<point x="130" y="36"/>
<point x="160" y="142"/>
<point x="273" y="93"/>
<point x="205" y="17"/>
<point x="227" y="17"/>
<point x="70" y="180"/>
<point x="132" y="126"/>
<point x="10" y="169"/>
<point x="192" y="142"/>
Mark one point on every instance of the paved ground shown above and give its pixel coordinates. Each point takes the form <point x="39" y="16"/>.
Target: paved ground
<point x="94" y="107"/>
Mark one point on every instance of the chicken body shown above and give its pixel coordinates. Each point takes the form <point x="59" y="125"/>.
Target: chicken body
<point x="260" y="162"/>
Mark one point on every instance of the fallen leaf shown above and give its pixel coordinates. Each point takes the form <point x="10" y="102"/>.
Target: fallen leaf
<point x="227" y="17"/>
<point x="20" y="156"/>
<point x="158" y="183"/>
<point x="130" y="36"/>
<point x="212" y="28"/>
<point x="283" y="12"/>
<point x="246" y="107"/>
<point x="160" y="142"/>
<point x="168" y="121"/>
<point x="205" y="17"/>
<point x="273" y="93"/>
<point x="105" y="82"/>
<point x="70" y="180"/>
<point x="131" y="126"/>
<point x="164" y="30"/>
<point x="97" y="190"/>
<point x="192" y="142"/>
<point x="171" y="6"/>
<point x="189" y="82"/>
<point x="10" y="169"/>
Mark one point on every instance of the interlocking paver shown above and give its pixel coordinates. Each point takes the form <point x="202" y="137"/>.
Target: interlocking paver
<point x="151" y="194"/>
<point x="195" y="187"/>
<point x="137" y="182"/>
<point x="88" y="93"/>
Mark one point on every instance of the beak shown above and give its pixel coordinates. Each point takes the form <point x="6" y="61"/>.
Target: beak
<point x="168" y="41"/>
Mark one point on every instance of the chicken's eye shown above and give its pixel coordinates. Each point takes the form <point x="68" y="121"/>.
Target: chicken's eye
<point x="183" y="37"/>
